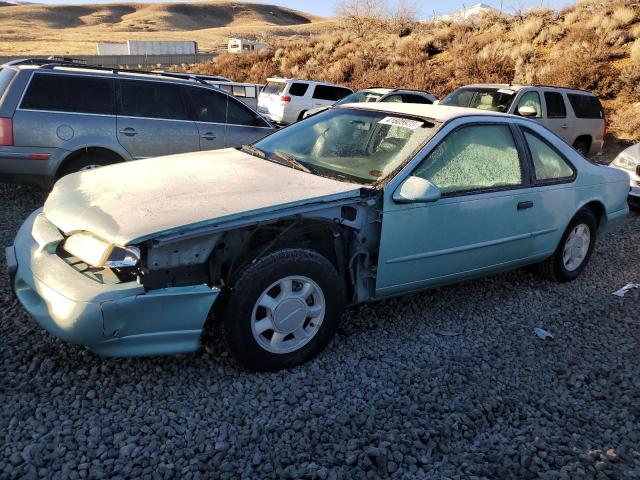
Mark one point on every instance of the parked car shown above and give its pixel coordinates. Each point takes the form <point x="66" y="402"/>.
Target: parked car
<point x="285" y="100"/>
<point x="60" y="118"/>
<point x="629" y="161"/>
<point x="354" y="204"/>
<point x="575" y="116"/>
<point x="247" y="93"/>
<point x="393" y="95"/>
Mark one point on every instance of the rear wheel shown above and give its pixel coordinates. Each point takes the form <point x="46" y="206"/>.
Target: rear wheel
<point x="301" y="116"/>
<point x="582" y="146"/>
<point x="574" y="251"/>
<point x="282" y="309"/>
<point x="87" y="161"/>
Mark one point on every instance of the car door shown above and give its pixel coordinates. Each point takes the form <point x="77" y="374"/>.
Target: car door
<point x="243" y="124"/>
<point x="481" y="223"/>
<point x="553" y="193"/>
<point x="208" y="109"/>
<point x="556" y="115"/>
<point x="153" y="119"/>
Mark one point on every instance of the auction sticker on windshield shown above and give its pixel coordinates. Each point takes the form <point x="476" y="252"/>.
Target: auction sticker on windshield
<point x="401" y="122"/>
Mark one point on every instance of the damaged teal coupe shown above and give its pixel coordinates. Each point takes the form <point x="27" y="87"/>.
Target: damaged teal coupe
<point x="275" y="239"/>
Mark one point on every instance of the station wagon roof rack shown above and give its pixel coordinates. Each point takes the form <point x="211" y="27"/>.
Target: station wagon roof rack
<point x="44" y="61"/>
<point x="55" y="62"/>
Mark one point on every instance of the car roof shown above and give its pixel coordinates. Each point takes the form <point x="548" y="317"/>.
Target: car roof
<point x="439" y="113"/>
<point x="302" y="80"/>
<point x="519" y="86"/>
<point x="116" y="73"/>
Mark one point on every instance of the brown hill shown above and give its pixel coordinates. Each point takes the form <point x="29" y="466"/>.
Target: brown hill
<point x="592" y="45"/>
<point x="69" y="29"/>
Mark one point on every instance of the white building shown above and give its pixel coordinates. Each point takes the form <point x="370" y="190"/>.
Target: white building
<point x="242" y="45"/>
<point x="149" y="47"/>
<point x="465" y="13"/>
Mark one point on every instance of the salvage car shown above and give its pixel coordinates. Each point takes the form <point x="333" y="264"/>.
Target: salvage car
<point x="629" y="161"/>
<point x="275" y="239"/>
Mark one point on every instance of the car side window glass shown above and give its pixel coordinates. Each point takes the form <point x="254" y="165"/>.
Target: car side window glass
<point x="472" y="158"/>
<point x="239" y="114"/>
<point x="393" y="99"/>
<point x="70" y="93"/>
<point x="146" y="99"/>
<point x="342" y="92"/>
<point x="530" y="99"/>
<point x="555" y="105"/>
<point x="298" y="89"/>
<point x="238" y="91"/>
<point x="547" y="163"/>
<point x="207" y="105"/>
<point x="411" y="98"/>
<point x="250" y="92"/>
<point x="328" y="92"/>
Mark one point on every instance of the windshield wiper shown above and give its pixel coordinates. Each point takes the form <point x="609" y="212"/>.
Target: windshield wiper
<point x="255" y="151"/>
<point x="292" y="161"/>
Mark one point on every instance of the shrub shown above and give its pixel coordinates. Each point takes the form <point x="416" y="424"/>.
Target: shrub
<point x="625" y="122"/>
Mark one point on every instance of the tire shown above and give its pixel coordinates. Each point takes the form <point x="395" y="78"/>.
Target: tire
<point x="556" y="267"/>
<point x="86" y="161"/>
<point x="301" y="116"/>
<point x="582" y="147"/>
<point x="262" y="338"/>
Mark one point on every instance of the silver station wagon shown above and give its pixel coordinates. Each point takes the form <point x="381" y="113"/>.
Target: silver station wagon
<point x="275" y="239"/>
<point x="58" y="118"/>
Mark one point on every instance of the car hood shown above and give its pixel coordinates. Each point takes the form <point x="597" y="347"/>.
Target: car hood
<point x="633" y="151"/>
<point x="134" y="201"/>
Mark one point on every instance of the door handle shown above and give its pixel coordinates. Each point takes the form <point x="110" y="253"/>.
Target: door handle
<point x="525" y="205"/>
<point x="564" y="126"/>
<point x="129" y="132"/>
<point x="208" y="136"/>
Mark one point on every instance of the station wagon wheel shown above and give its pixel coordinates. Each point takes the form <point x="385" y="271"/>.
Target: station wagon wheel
<point x="574" y="251"/>
<point x="288" y="314"/>
<point x="282" y="309"/>
<point x="84" y="161"/>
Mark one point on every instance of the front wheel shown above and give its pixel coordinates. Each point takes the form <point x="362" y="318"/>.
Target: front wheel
<point x="282" y="309"/>
<point x="574" y="251"/>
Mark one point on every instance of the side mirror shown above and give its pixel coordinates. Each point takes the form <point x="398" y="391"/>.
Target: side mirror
<point x="416" y="190"/>
<point x="528" y="111"/>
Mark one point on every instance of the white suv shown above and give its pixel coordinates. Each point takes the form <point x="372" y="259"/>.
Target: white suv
<point x="285" y="100"/>
<point x="575" y="116"/>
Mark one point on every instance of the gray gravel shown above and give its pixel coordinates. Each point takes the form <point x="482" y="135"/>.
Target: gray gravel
<point x="450" y="383"/>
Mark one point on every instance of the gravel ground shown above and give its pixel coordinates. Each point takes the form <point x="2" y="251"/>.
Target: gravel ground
<point x="451" y="383"/>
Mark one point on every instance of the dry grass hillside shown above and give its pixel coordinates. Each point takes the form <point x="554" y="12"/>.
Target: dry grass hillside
<point x="75" y="29"/>
<point x="593" y="45"/>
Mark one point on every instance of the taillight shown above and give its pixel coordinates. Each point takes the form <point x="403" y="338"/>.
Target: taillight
<point x="6" y="132"/>
<point x="285" y="99"/>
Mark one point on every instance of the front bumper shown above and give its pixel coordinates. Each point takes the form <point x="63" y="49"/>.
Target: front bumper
<point x="111" y="319"/>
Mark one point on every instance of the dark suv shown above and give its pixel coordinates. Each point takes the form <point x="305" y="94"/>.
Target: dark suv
<point x="57" y="118"/>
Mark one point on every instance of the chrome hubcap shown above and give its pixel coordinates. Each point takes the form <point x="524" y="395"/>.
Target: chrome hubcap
<point x="288" y="314"/>
<point x="576" y="247"/>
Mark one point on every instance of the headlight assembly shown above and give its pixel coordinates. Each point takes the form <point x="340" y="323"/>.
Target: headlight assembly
<point x="626" y="161"/>
<point x="99" y="253"/>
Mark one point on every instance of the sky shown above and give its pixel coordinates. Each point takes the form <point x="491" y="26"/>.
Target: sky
<point x="425" y="8"/>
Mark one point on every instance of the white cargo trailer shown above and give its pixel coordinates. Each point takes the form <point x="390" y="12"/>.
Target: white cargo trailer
<point x="149" y="47"/>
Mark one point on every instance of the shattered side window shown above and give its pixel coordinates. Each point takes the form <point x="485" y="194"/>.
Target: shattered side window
<point x="477" y="157"/>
